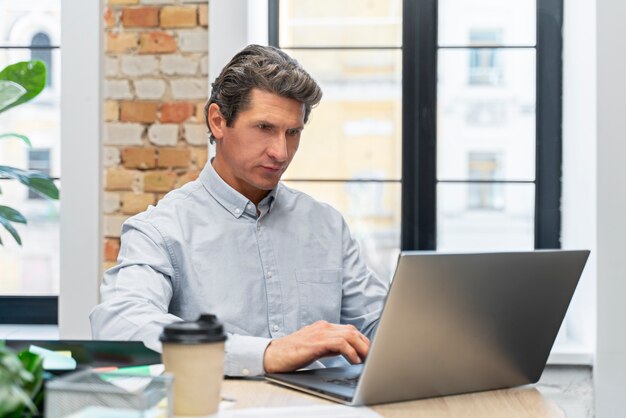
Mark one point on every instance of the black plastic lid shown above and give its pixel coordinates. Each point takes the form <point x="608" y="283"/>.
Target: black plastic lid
<point x="207" y="329"/>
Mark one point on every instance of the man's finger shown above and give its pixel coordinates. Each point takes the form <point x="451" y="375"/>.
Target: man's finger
<point x="341" y="346"/>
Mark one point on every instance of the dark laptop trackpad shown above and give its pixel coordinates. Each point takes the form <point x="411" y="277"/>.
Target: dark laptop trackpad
<point x="335" y="381"/>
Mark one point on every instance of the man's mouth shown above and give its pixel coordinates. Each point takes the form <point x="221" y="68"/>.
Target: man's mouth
<point x="272" y="168"/>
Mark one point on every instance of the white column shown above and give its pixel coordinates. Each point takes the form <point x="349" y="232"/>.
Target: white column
<point x="610" y="370"/>
<point x="81" y="185"/>
<point x="579" y="169"/>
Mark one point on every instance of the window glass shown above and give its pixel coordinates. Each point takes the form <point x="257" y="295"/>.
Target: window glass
<point x="40" y="52"/>
<point x="331" y="23"/>
<point x="491" y="111"/>
<point x="485" y="217"/>
<point x="33" y="268"/>
<point x="515" y="20"/>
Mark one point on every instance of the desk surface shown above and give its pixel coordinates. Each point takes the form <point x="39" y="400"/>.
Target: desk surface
<point x="511" y="403"/>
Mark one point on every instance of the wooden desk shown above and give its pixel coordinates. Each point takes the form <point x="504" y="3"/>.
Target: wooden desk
<point x="510" y="403"/>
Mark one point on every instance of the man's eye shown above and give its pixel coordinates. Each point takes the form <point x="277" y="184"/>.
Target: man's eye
<point x="293" y="132"/>
<point x="264" y="127"/>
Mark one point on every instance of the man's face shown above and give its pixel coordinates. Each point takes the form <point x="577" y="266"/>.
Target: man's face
<point x="255" y="151"/>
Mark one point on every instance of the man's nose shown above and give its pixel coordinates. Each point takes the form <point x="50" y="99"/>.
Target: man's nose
<point x="278" y="148"/>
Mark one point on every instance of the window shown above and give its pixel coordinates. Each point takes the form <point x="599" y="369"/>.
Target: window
<point x="39" y="160"/>
<point x="29" y="283"/>
<point x="483" y="194"/>
<point x="485" y="64"/>
<point x="475" y="87"/>
<point x="41" y="51"/>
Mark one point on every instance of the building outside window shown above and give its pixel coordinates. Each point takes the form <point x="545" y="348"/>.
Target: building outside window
<point x="485" y="63"/>
<point x="482" y="168"/>
<point x="41" y="51"/>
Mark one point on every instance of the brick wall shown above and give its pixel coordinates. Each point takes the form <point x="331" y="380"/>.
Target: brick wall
<point x="155" y="139"/>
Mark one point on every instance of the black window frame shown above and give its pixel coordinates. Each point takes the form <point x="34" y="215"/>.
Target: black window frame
<point x="419" y="115"/>
<point x="33" y="310"/>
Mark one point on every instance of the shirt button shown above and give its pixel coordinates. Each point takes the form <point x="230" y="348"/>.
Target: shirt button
<point x="275" y="327"/>
<point x="269" y="274"/>
<point x="245" y="372"/>
<point x="237" y="210"/>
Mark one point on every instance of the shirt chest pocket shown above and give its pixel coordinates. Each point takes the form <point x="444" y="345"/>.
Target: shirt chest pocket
<point x="319" y="294"/>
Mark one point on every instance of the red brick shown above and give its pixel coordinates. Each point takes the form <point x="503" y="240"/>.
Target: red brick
<point x="200" y="113"/>
<point x="111" y="248"/>
<point x="159" y="181"/>
<point x="156" y="43"/>
<point x="111" y="111"/>
<point x="121" y="42"/>
<point x="109" y="17"/>
<point x="176" y="112"/>
<point x="140" y="17"/>
<point x="133" y="203"/>
<point x="174" y="157"/>
<point x="135" y="111"/>
<point x="120" y="179"/>
<point x="178" y="17"/>
<point x="139" y="157"/>
<point x="199" y="156"/>
<point x="203" y="15"/>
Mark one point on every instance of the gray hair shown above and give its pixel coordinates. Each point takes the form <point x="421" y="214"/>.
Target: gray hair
<point x="266" y="68"/>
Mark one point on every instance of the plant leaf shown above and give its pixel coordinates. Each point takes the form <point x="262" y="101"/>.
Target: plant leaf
<point x="18" y="136"/>
<point x="31" y="75"/>
<point x="10" y="92"/>
<point x="35" y="180"/>
<point x="43" y="185"/>
<point x="7" y="225"/>
<point x="12" y="215"/>
<point x="34" y="364"/>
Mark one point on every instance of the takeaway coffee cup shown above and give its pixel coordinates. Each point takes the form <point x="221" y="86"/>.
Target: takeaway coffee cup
<point x="193" y="351"/>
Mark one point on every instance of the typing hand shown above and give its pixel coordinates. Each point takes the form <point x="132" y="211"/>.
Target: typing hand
<point x="320" y="339"/>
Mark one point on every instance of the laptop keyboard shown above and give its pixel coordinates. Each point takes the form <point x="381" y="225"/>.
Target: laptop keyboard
<point x="350" y="382"/>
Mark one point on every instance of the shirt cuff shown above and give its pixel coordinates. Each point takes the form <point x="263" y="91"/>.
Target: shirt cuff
<point x="244" y="355"/>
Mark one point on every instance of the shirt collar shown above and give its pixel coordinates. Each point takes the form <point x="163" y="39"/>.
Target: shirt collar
<point x="229" y="198"/>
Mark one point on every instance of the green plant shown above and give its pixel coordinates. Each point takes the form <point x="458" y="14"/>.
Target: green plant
<point x="21" y="383"/>
<point x="20" y="83"/>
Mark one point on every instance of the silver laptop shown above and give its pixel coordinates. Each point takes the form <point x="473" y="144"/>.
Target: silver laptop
<point x="456" y="323"/>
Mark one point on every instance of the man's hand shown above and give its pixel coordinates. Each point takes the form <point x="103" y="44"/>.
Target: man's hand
<point x="321" y="339"/>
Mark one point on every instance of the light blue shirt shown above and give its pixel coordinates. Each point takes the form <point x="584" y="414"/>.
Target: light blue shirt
<point x="204" y="249"/>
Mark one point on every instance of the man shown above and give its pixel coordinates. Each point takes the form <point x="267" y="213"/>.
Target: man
<point x="280" y="269"/>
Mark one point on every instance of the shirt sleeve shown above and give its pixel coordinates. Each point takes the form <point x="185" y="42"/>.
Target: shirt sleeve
<point x="136" y="294"/>
<point x="364" y="293"/>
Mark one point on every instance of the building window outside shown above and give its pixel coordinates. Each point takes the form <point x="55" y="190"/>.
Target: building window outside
<point x="485" y="64"/>
<point x="41" y="51"/>
<point x="30" y="30"/>
<point x="39" y="160"/>
<point x="484" y="167"/>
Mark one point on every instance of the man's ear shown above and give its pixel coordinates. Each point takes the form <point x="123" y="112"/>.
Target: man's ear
<point x="216" y="120"/>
